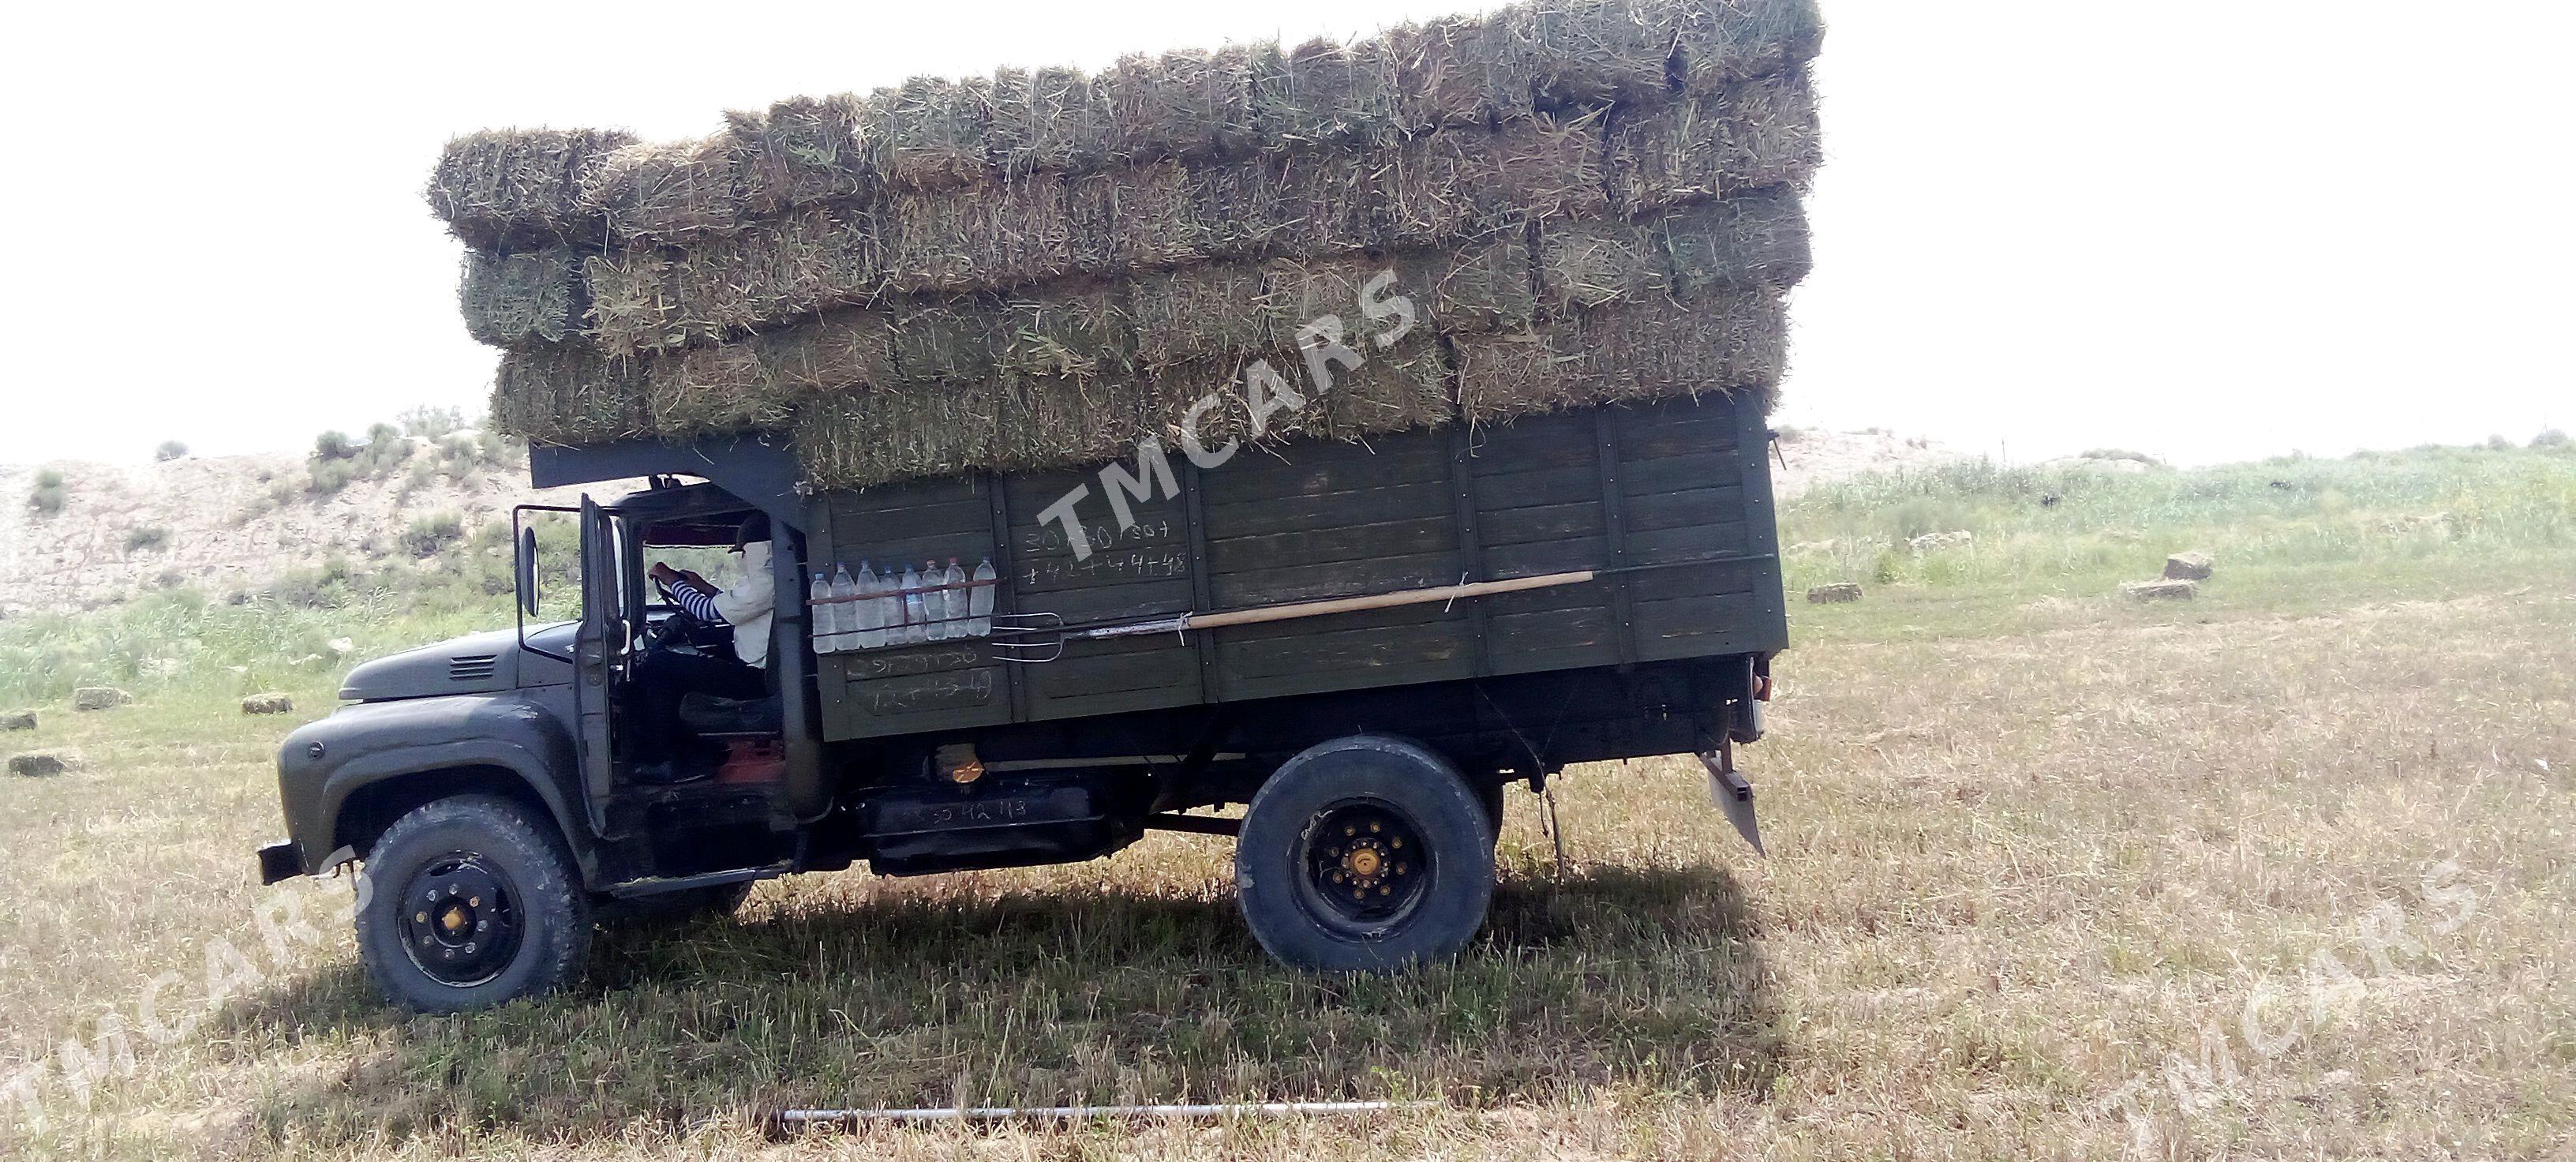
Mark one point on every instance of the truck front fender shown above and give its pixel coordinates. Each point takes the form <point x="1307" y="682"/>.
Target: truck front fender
<point x="339" y="775"/>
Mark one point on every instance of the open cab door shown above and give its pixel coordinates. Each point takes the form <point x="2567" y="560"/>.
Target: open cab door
<point x="600" y="653"/>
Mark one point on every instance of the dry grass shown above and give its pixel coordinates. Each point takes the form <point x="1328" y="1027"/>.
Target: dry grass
<point x="2027" y="876"/>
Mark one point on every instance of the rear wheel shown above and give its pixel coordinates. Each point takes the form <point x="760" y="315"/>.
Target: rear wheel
<point x="1365" y="854"/>
<point x="468" y="902"/>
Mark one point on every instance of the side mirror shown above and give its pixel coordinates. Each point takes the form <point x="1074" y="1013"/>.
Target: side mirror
<point x="528" y="571"/>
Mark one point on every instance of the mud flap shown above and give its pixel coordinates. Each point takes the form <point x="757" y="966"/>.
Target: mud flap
<point x="1733" y="795"/>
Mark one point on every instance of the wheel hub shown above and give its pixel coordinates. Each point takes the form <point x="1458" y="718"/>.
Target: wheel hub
<point x="1362" y="862"/>
<point x="461" y="922"/>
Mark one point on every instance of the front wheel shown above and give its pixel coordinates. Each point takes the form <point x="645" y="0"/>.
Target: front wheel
<point x="1365" y="854"/>
<point x="468" y="903"/>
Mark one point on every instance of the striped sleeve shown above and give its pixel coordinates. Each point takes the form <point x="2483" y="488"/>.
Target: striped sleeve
<point x="700" y="603"/>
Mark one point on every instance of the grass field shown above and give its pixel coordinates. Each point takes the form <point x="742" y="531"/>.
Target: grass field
<point x="2284" y="871"/>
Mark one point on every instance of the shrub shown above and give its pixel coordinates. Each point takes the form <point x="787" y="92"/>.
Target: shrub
<point x="168" y="451"/>
<point x="333" y="446"/>
<point x="429" y="534"/>
<point x="430" y="423"/>
<point x="145" y="538"/>
<point x="330" y="476"/>
<point x="2498" y="443"/>
<point x="48" y="495"/>
<point x="2553" y="438"/>
<point x="2123" y="454"/>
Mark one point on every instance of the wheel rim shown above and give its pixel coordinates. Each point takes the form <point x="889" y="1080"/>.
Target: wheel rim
<point x="1365" y="866"/>
<point x="461" y="920"/>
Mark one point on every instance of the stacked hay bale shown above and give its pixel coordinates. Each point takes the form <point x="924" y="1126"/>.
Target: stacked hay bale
<point x="1580" y="201"/>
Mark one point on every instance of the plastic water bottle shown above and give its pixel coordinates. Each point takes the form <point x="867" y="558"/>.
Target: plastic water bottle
<point x="916" y="613"/>
<point x="953" y="600"/>
<point x="979" y="608"/>
<point x="825" y="628"/>
<point x="866" y="618"/>
<point x="845" y="616"/>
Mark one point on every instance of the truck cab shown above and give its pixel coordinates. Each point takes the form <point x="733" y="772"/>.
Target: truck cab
<point x="500" y="792"/>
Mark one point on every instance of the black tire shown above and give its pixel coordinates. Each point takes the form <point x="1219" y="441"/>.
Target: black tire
<point x="1489" y="795"/>
<point x="499" y="914"/>
<point x="1428" y="875"/>
<point x="672" y="907"/>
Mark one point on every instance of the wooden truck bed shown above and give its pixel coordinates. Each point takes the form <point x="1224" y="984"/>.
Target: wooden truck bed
<point x="1672" y="500"/>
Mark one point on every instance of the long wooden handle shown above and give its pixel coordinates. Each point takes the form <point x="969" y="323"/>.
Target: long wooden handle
<point x="1385" y="600"/>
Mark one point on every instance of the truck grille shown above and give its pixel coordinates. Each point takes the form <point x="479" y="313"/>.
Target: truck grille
<point x="472" y="667"/>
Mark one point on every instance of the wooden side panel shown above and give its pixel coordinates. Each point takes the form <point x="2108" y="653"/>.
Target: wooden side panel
<point x="1325" y="520"/>
<point x="934" y="686"/>
<point x="1137" y="570"/>
<point x="1695" y="485"/>
<point x="1539" y="510"/>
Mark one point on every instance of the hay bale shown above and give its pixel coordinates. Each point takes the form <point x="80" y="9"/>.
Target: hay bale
<point x="1462" y="184"/>
<point x="1747" y="136"/>
<point x="1720" y="44"/>
<point x="18" y="720"/>
<point x="2160" y="590"/>
<point x="1483" y="285"/>
<point x="1053" y="421"/>
<point x="1326" y="93"/>
<point x="1598" y="52"/>
<point x="1586" y="264"/>
<point x="707" y="391"/>
<point x="1627" y="352"/>
<point x="946" y="340"/>
<point x="670" y="191"/>
<point x="569" y="395"/>
<point x="269" y="703"/>
<point x="978" y="236"/>
<point x="1462" y="71"/>
<point x="844" y="351"/>
<point x="859" y="440"/>
<point x="2194" y="566"/>
<point x="805" y="262"/>
<point x="1187" y="105"/>
<point x="1084" y="329"/>
<point x="524" y="297"/>
<point x="1200" y="311"/>
<point x="929" y="133"/>
<point x="635" y="302"/>
<point x="1837" y="593"/>
<point x="40" y="764"/>
<point x="511" y="188"/>
<point x="1133" y="218"/>
<point x="96" y="698"/>
<point x="1406" y="387"/>
<point x="1052" y="119"/>
<point x="1758" y="239"/>
<point x="809" y="150"/>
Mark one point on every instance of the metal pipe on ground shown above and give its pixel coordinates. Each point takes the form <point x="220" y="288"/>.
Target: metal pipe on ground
<point x="792" y="1120"/>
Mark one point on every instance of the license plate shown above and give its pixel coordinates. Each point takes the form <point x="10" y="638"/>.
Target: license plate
<point x="1058" y="805"/>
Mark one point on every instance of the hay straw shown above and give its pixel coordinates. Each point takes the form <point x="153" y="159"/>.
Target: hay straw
<point x="1736" y="342"/>
<point x="1187" y="105"/>
<point x="510" y="300"/>
<point x="509" y="188"/>
<point x="1084" y="330"/>
<point x="1754" y="240"/>
<point x="808" y="151"/>
<point x="1397" y="390"/>
<point x="1053" y="421"/>
<point x="716" y="391"/>
<point x="1484" y="284"/>
<point x="669" y="192"/>
<point x="854" y="441"/>
<point x="1053" y="119"/>
<point x="1135" y="218"/>
<point x="983" y="235"/>
<point x="952" y="339"/>
<point x="1759" y="133"/>
<point x="1466" y="184"/>
<point x="1199" y="311"/>
<point x="1717" y="44"/>
<point x="632" y="302"/>
<point x="569" y="395"/>
<point x="1592" y="53"/>
<point x="929" y="133"/>
<point x="1583" y="265"/>
<point x="1462" y="71"/>
<point x="1326" y="93"/>
<point x="844" y="351"/>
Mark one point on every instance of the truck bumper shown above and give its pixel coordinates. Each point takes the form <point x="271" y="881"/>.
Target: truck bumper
<point x="280" y="861"/>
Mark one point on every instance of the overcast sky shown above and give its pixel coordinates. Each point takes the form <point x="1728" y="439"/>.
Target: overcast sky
<point x="2209" y="231"/>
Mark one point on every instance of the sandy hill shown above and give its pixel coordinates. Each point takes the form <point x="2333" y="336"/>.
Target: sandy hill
<point x="230" y="523"/>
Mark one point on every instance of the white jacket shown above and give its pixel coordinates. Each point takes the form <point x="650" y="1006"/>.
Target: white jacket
<point x="747" y="602"/>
